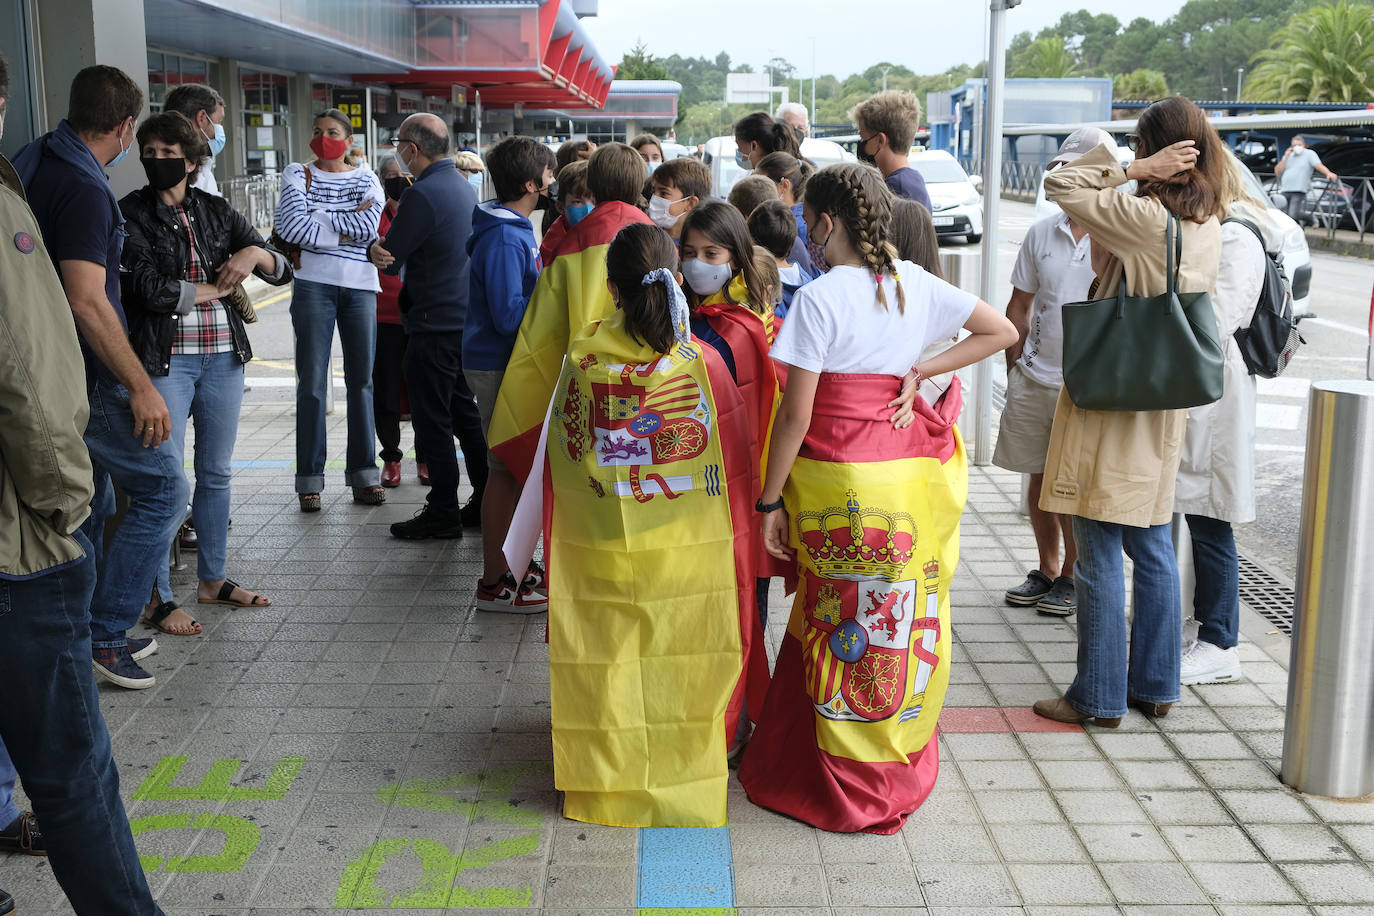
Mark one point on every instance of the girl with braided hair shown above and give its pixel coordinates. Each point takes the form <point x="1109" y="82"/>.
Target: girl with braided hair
<point x="866" y="504"/>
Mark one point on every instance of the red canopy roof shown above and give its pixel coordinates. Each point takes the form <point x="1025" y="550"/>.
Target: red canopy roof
<point x="534" y="53"/>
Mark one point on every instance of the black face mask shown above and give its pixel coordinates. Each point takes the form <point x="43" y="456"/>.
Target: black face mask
<point x="863" y="153"/>
<point x="396" y="186"/>
<point x="164" y="174"/>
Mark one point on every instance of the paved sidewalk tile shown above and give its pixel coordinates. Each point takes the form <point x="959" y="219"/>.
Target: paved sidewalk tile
<point x="369" y="743"/>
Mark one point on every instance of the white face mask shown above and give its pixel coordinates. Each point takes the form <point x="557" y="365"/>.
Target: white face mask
<point x="661" y="212"/>
<point x="705" y="279"/>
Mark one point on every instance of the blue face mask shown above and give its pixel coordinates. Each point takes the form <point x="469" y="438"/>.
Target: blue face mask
<point x="476" y="182"/>
<point x="217" y="141"/>
<point x="123" y="151"/>
<point x="577" y="213"/>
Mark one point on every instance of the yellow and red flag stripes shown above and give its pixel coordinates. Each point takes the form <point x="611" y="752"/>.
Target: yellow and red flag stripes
<point x="570" y="294"/>
<point x="651" y="578"/>
<point x="846" y="738"/>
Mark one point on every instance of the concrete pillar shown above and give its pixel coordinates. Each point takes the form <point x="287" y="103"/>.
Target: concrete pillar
<point x="632" y="130"/>
<point x="234" y="130"/>
<point x="302" y="119"/>
<point x="74" y="34"/>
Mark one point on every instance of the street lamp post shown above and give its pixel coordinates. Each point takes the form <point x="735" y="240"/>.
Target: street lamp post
<point x="885" y="69"/>
<point x="992" y="195"/>
<point x="1240" y="80"/>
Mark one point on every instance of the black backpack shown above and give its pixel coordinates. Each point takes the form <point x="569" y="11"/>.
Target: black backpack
<point x="1272" y="338"/>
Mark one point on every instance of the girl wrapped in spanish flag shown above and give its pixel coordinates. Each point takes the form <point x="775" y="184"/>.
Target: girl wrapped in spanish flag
<point x="868" y="504"/>
<point x="649" y="541"/>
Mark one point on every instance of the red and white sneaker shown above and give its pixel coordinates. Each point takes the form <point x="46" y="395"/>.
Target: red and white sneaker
<point x="535" y="579"/>
<point x="505" y="597"/>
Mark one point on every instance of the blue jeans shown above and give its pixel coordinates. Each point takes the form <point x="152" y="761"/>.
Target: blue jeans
<point x="152" y="479"/>
<point x="8" y="777"/>
<point x="1111" y="667"/>
<point x="315" y="309"/>
<point x="50" y="721"/>
<point x="1216" y="597"/>
<point x="209" y="389"/>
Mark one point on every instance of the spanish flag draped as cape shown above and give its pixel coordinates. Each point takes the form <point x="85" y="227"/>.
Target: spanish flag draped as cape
<point x="749" y="336"/>
<point x="651" y="578"/>
<point x="570" y="294"/>
<point x="846" y="741"/>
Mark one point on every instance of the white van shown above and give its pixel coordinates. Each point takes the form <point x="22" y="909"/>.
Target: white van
<point x="722" y="159"/>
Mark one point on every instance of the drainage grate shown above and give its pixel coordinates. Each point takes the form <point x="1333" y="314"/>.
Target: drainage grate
<point x="1267" y="596"/>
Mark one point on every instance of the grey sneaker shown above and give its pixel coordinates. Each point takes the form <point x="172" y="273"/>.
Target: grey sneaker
<point x="1036" y="586"/>
<point x="1060" y="602"/>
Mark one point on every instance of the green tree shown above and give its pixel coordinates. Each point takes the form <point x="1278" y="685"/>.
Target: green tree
<point x="1325" y="54"/>
<point x="638" y="65"/>
<point x="1140" y="84"/>
<point x="1048" y="58"/>
<point x="1088" y="34"/>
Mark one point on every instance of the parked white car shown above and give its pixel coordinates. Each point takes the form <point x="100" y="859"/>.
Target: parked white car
<point x="956" y="204"/>
<point x="1282" y="231"/>
<point x="726" y="168"/>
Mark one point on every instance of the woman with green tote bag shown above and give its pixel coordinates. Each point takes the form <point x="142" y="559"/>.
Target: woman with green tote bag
<point x="1114" y="470"/>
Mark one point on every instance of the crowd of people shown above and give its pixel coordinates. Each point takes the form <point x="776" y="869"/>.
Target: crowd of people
<point x="714" y="394"/>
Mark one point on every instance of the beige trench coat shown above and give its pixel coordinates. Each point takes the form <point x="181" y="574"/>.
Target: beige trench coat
<point x="1119" y="466"/>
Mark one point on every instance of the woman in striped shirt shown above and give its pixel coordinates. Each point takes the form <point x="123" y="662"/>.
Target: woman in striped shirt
<point x="331" y="208"/>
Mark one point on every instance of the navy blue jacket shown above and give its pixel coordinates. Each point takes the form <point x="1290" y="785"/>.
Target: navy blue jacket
<point x="429" y="238"/>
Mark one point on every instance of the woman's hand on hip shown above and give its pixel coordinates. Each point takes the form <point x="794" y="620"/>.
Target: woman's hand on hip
<point x="775" y="526"/>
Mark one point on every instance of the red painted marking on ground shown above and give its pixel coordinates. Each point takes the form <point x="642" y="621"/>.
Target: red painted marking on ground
<point x="971" y="719"/>
<point x="991" y="719"/>
<point x="1024" y="719"/>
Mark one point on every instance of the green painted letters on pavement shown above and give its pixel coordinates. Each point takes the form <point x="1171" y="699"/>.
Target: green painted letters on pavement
<point x="241" y="838"/>
<point x="215" y="786"/>
<point x="358" y="887"/>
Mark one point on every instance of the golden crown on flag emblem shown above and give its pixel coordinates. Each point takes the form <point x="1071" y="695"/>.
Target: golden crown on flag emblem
<point x="932" y="568"/>
<point x="857" y="540"/>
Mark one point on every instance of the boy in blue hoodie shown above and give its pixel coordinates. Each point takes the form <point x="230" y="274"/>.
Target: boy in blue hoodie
<point x="505" y="264"/>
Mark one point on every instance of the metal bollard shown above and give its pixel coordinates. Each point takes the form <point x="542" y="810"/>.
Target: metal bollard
<point x="963" y="269"/>
<point x="1328" y="736"/>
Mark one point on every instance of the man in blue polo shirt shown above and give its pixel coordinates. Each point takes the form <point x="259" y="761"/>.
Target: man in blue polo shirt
<point x="887" y="124"/>
<point x="64" y="177"/>
<point x="50" y="722"/>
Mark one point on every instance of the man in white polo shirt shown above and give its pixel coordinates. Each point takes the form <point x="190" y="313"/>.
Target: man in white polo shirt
<point x="1054" y="267"/>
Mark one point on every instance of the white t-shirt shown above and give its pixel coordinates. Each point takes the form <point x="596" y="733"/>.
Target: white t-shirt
<point x="1058" y="271"/>
<point x="836" y="324"/>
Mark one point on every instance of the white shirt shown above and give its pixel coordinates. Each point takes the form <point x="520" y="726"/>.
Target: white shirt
<point x="205" y="178"/>
<point x="836" y="324"/>
<point x="1058" y="271"/>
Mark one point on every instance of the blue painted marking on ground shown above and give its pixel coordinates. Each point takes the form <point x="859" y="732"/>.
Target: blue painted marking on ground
<point x="685" y="867"/>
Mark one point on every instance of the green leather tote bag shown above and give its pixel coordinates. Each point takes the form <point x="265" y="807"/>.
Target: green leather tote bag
<point x="1144" y="352"/>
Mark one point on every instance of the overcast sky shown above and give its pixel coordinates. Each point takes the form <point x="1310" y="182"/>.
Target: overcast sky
<point x="929" y="36"/>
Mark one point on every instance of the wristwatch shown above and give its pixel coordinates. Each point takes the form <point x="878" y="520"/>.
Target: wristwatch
<point x="765" y="508"/>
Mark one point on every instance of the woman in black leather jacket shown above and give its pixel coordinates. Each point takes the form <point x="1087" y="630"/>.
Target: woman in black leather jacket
<point x="185" y="252"/>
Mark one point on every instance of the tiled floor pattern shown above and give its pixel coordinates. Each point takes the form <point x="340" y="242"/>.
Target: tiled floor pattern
<point x="368" y="743"/>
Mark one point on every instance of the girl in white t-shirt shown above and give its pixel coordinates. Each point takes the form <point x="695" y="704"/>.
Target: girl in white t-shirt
<point x="867" y="503"/>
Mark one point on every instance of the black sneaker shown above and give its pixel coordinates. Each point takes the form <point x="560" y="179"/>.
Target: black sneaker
<point x="472" y="513"/>
<point x="118" y="667"/>
<point x="427" y="524"/>
<point x="6" y="904"/>
<point x="23" y="836"/>
<point x="1061" y="600"/>
<point x="1036" y="586"/>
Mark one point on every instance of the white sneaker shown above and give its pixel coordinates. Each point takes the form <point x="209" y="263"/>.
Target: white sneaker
<point x="506" y="597"/>
<point x="1205" y="663"/>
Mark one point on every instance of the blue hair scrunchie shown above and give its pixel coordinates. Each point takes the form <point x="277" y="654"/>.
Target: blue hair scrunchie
<point x="677" y="302"/>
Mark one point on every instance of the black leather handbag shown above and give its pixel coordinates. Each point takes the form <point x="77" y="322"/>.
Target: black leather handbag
<point x="1144" y="352"/>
